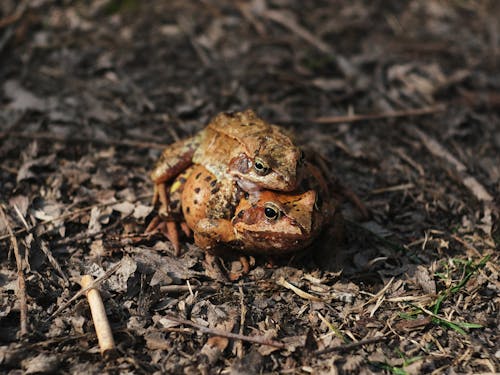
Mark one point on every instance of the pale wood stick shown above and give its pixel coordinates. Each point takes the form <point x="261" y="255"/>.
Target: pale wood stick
<point x="101" y="323"/>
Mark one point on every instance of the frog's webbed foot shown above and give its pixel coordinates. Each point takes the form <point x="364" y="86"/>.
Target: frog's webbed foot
<point x="168" y="228"/>
<point x="164" y="222"/>
<point x="215" y="264"/>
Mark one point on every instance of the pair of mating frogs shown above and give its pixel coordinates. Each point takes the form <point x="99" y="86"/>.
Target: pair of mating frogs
<point x="241" y="184"/>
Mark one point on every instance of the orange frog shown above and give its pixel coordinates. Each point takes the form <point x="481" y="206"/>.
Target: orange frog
<point x="259" y="222"/>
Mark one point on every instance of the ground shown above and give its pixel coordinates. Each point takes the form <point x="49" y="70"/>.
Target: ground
<point x="401" y="96"/>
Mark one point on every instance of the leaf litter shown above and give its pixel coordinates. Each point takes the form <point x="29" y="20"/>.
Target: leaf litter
<point x="399" y="96"/>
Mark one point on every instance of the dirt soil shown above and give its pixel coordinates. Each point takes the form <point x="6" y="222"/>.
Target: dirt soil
<point x="401" y="96"/>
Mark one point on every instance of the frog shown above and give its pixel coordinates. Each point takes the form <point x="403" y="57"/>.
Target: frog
<point x="239" y="147"/>
<point x="265" y="222"/>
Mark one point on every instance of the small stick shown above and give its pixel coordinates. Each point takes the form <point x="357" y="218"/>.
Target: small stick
<point x="379" y="116"/>
<point x="101" y="323"/>
<point x="217" y="332"/>
<point x="187" y="288"/>
<point x="354" y="345"/>
<point x="43" y="246"/>
<point x="438" y="150"/>
<point x="18" y="13"/>
<point x="57" y="138"/>
<point x="21" y="293"/>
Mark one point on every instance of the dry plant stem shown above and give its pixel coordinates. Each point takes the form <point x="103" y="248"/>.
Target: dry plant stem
<point x="44" y="247"/>
<point x="347" y="69"/>
<point x="199" y="288"/>
<point x="379" y="116"/>
<point x="57" y="138"/>
<point x="351" y="346"/>
<point x="101" y="323"/>
<point x="18" y="13"/>
<point x="21" y="292"/>
<point x="243" y="313"/>
<point x="229" y="335"/>
<point x="436" y="149"/>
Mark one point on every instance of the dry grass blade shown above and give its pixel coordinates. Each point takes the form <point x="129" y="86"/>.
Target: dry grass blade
<point x="282" y="282"/>
<point x="436" y="149"/>
<point x="53" y="261"/>
<point x="21" y="292"/>
<point x="351" y="346"/>
<point x="279" y="17"/>
<point x="57" y="138"/>
<point x="19" y="12"/>
<point x="380" y="116"/>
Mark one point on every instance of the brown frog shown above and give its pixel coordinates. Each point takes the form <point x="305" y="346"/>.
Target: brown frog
<point x="239" y="147"/>
<point x="263" y="222"/>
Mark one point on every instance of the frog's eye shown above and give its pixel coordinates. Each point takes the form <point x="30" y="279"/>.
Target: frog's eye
<point x="271" y="211"/>
<point x="261" y="167"/>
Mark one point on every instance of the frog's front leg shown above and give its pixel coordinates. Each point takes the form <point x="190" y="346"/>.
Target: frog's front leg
<point x="217" y="236"/>
<point x="213" y="235"/>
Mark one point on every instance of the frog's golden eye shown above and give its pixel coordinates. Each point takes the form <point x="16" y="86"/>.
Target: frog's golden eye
<point x="272" y="211"/>
<point x="261" y="167"/>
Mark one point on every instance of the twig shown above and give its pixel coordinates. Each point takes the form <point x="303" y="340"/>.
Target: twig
<point x="243" y="313"/>
<point x="43" y="246"/>
<point x="378" y="116"/>
<point x="436" y="149"/>
<point x="187" y="288"/>
<point x="393" y="188"/>
<point x="57" y="138"/>
<point x="402" y="154"/>
<point x="351" y="346"/>
<point x="83" y="291"/>
<point x="101" y="323"/>
<point x="279" y="17"/>
<point x="281" y="281"/>
<point x="18" y="13"/>
<point x="216" y="332"/>
<point x="21" y="292"/>
<point x="467" y="245"/>
<point x="187" y="27"/>
<point x="86" y="235"/>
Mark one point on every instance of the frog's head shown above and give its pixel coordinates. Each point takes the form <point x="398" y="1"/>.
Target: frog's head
<point x="270" y="222"/>
<point x="266" y="157"/>
<point x="270" y="161"/>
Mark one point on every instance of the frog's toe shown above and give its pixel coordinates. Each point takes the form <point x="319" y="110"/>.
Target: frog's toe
<point x="169" y="229"/>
